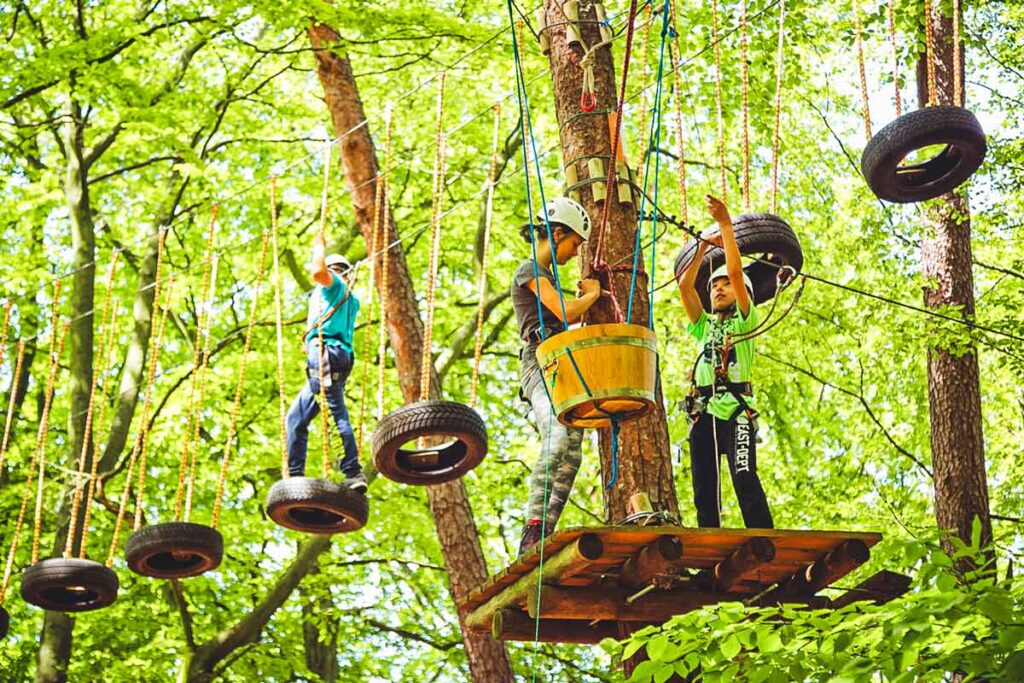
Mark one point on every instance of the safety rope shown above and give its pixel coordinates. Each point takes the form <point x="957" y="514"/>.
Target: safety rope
<point x="897" y="98"/>
<point x="76" y="504"/>
<point x="614" y="476"/>
<point x="141" y="445"/>
<point x="745" y="77"/>
<point x="440" y="162"/>
<point x="15" y="382"/>
<point x="642" y="147"/>
<point x="197" y="350"/>
<point x="778" y="108"/>
<point x="240" y="386"/>
<point x="675" y="57"/>
<point x="718" y="100"/>
<point x="929" y="54"/>
<point x="322" y="357"/>
<point x="279" y="329"/>
<point x="858" y="39"/>
<point x="482" y="288"/>
<point x="100" y="426"/>
<point x="372" y="287"/>
<point x="56" y="351"/>
<point x="385" y="270"/>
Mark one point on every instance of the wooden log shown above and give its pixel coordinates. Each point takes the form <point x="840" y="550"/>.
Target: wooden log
<point x="595" y="167"/>
<point x="545" y="42"/>
<point x="658" y="559"/>
<point x="602" y="16"/>
<point x="555" y="602"/>
<point x="571" y="179"/>
<point x="747" y="558"/>
<point x="569" y="561"/>
<point x="639" y="502"/>
<point x="572" y="27"/>
<point x="513" y="624"/>
<point x="624" y="174"/>
<point x="880" y="588"/>
<point x="850" y="554"/>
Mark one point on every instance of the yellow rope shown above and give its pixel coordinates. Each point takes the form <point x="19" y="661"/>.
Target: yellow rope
<point x="858" y="30"/>
<point x="778" y="108"/>
<point x="897" y="99"/>
<point x="3" y="334"/>
<point x="718" y="99"/>
<point x="744" y="69"/>
<point x="233" y="426"/>
<point x="482" y="289"/>
<point x="385" y="270"/>
<point x="99" y="427"/>
<point x="56" y="351"/>
<point x="11" y="402"/>
<point x="378" y="196"/>
<point x="641" y="162"/>
<point x="76" y="504"/>
<point x="435" y="244"/>
<point x="929" y="54"/>
<point x="279" y="327"/>
<point x="141" y="444"/>
<point x="958" y="76"/>
<point x="675" y="56"/>
<point x="197" y="356"/>
<point x="326" y="442"/>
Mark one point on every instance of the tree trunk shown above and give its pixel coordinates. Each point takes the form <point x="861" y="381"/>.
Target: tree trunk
<point x="456" y="530"/>
<point x="321" y="646"/>
<point x="954" y="394"/>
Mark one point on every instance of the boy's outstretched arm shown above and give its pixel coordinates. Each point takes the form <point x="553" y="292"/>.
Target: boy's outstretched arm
<point x="691" y="301"/>
<point x="733" y="263"/>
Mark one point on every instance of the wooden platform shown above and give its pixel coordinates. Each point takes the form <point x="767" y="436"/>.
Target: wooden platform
<point x="592" y="576"/>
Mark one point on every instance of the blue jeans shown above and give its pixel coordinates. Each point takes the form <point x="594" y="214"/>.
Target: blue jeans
<point x="305" y="409"/>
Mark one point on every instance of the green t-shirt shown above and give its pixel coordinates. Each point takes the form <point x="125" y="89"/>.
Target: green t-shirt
<point x="339" y="329"/>
<point x="711" y="335"/>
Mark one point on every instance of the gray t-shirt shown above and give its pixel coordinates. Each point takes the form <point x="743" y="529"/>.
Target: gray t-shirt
<point x="524" y="302"/>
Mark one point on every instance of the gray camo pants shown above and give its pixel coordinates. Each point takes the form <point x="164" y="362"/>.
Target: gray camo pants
<point x="557" y="464"/>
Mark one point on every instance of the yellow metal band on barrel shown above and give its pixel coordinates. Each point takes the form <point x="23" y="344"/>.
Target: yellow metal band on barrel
<point x="581" y="344"/>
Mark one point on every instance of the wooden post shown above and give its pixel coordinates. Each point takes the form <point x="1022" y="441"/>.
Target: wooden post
<point x="745" y="559"/>
<point x="570" y="560"/>
<point x="881" y="588"/>
<point x="512" y="624"/>
<point x="658" y="559"/>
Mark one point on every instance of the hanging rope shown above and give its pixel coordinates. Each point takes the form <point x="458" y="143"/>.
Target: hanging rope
<point x="56" y="351"/>
<point x="482" y="288"/>
<point x="11" y="402"/>
<point x="76" y="504"/>
<point x="233" y="425"/>
<point x="897" y="99"/>
<point x="858" y="30"/>
<point x="3" y="335"/>
<point x="279" y="328"/>
<point x="385" y="271"/>
<point x="675" y="56"/>
<point x="718" y="100"/>
<point x="744" y="71"/>
<point x="100" y="426"/>
<point x="958" y="76"/>
<point x="325" y="443"/>
<point x="642" y="162"/>
<point x="435" y="244"/>
<point x="139" y="448"/>
<point x="929" y="54"/>
<point x="778" y="107"/>
<point x="197" y="349"/>
<point x="372" y="287"/>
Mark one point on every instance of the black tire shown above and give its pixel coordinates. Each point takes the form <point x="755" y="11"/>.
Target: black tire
<point x="174" y="550"/>
<point x="429" y="419"/>
<point x="763" y="235"/>
<point x="5" y="623"/>
<point x="954" y="127"/>
<point x="69" y="585"/>
<point x="317" y="506"/>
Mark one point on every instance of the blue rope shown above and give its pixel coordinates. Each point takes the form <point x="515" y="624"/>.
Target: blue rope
<point x="654" y="141"/>
<point x="615" y="452"/>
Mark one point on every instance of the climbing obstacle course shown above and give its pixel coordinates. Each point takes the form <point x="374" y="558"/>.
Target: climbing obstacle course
<point x="593" y="577"/>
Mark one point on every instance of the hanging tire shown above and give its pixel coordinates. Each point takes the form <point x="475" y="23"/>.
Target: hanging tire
<point x="762" y="235"/>
<point x="431" y="465"/>
<point x="174" y="550"/>
<point x="69" y="585"/>
<point x="317" y="506"/>
<point x="5" y="623"/>
<point x="954" y="127"/>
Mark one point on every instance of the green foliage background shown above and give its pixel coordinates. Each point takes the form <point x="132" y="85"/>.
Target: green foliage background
<point x="226" y="94"/>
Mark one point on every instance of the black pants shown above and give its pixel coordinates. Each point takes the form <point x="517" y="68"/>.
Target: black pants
<point x="738" y="442"/>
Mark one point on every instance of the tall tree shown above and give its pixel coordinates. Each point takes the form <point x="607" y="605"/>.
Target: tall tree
<point x="456" y="529"/>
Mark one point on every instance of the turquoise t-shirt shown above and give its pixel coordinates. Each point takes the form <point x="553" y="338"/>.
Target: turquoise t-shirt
<point x="711" y="335"/>
<point x="340" y="328"/>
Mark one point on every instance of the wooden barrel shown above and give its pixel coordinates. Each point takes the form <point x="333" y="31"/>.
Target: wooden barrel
<point x="598" y="371"/>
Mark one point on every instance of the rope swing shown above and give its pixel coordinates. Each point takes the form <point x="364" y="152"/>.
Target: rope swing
<point x="325" y="443"/>
<point x="385" y="269"/>
<point x="440" y="163"/>
<point x="279" y="329"/>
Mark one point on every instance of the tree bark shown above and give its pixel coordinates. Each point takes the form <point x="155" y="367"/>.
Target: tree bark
<point x="456" y="530"/>
<point x="954" y="392"/>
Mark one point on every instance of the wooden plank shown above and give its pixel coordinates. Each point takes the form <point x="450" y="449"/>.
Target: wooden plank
<point x="512" y="624"/>
<point x="749" y="557"/>
<point x="659" y="558"/>
<point x="572" y="558"/>
<point x="610" y="604"/>
<point x="880" y="588"/>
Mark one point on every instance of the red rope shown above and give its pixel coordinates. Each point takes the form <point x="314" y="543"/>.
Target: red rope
<point x="598" y="264"/>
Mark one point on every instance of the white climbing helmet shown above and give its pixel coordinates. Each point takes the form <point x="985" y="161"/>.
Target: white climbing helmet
<point x="723" y="271"/>
<point x="569" y="213"/>
<point x="338" y="260"/>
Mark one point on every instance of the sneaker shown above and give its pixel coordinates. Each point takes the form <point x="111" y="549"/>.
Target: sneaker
<point x="357" y="482"/>
<point x="531" y="536"/>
